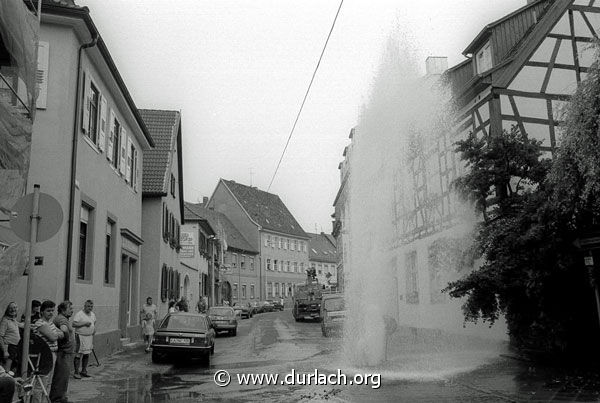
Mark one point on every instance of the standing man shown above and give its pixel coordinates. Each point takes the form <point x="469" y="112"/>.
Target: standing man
<point x="84" y="323"/>
<point x="62" y="367"/>
<point x="148" y="317"/>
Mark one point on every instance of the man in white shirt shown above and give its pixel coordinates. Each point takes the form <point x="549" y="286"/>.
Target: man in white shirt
<point x="84" y="323"/>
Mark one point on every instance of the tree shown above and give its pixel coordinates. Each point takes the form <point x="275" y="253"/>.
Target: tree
<point x="532" y="211"/>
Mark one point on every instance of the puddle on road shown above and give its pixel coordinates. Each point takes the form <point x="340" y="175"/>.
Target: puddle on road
<point x="153" y="388"/>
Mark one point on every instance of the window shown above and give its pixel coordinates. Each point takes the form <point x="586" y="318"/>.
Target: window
<point x="269" y="289"/>
<point x="244" y="291"/>
<point x="85" y="242"/>
<point x="484" y="58"/>
<point x="268" y="264"/>
<point x="165" y="223"/>
<point x="251" y="291"/>
<point x="293" y="245"/>
<point x="172" y="185"/>
<point x="132" y="168"/>
<point x="275" y="268"/>
<point x="320" y="269"/>
<point x="234" y="293"/>
<point x="301" y="267"/>
<point x="285" y="244"/>
<point x="295" y="267"/>
<point x="234" y="260"/>
<point x="108" y="254"/>
<point x="93" y="105"/>
<point x="113" y="142"/>
<point x="164" y="283"/>
<point x="243" y="262"/>
<point x="287" y="266"/>
<point x="268" y="240"/>
<point x="275" y="241"/>
<point x="412" y="285"/>
<point x="279" y="243"/>
<point x="251" y="263"/>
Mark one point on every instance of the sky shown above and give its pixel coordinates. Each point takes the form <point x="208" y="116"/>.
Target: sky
<point x="238" y="71"/>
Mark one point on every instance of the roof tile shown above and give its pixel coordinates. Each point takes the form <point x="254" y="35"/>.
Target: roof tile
<point x="266" y="209"/>
<point x="163" y="126"/>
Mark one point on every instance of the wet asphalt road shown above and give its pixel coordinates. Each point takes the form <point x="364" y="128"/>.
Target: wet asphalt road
<point x="273" y="343"/>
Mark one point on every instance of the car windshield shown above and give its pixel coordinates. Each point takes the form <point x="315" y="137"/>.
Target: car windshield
<point x="184" y="322"/>
<point x="334" y="304"/>
<point x="220" y="311"/>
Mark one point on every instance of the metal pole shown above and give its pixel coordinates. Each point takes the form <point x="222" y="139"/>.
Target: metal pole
<point x="30" y="272"/>
<point x="212" y="273"/>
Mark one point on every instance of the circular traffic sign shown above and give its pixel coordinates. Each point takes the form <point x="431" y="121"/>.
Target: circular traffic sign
<point x="50" y="213"/>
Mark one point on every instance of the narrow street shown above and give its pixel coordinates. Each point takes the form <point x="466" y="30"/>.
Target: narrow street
<point x="273" y="343"/>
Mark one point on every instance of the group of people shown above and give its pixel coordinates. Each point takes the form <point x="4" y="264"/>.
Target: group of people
<point x="68" y="338"/>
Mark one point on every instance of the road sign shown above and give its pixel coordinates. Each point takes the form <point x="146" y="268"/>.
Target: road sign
<point x="50" y="213"/>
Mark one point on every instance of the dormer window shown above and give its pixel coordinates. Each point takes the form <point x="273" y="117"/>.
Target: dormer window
<point x="483" y="58"/>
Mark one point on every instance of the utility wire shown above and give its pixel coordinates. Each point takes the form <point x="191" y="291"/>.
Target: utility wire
<point x="306" y="95"/>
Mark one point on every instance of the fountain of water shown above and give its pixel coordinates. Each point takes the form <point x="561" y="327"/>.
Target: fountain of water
<point x="405" y="232"/>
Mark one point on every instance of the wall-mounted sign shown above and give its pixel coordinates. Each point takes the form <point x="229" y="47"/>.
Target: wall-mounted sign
<point x="188" y="245"/>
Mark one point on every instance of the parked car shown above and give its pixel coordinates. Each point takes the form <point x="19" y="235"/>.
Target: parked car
<point x="245" y="309"/>
<point x="332" y="314"/>
<point x="266" y="306"/>
<point x="223" y="319"/>
<point x="183" y="334"/>
<point x="257" y="307"/>
<point x="277" y="305"/>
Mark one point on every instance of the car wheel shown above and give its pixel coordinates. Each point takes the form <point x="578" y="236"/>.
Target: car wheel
<point x="157" y="358"/>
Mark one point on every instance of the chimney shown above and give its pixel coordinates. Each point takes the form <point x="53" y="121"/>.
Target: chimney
<point x="205" y="200"/>
<point x="436" y="65"/>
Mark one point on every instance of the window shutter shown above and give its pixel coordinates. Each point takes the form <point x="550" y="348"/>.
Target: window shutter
<point x="129" y="160"/>
<point x="111" y="135"/>
<point x="136" y="164"/>
<point x="102" y="131"/>
<point x="42" y="74"/>
<point x="123" y="151"/>
<point x="85" y="103"/>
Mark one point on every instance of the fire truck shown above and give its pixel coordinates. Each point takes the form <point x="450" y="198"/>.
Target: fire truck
<point x="307" y="298"/>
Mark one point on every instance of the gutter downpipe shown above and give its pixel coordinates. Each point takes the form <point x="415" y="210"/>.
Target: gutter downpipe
<point x="67" y="293"/>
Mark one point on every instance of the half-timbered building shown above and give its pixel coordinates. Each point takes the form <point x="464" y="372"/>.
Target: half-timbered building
<point x="519" y="71"/>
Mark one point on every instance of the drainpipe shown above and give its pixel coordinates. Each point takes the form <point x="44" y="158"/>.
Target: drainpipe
<point x="70" y="223"/>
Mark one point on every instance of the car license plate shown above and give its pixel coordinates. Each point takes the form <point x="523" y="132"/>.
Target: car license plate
<point x="174" y="340"/>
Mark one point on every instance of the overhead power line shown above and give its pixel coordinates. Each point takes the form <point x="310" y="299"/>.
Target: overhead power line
<point x="306" y="94"/>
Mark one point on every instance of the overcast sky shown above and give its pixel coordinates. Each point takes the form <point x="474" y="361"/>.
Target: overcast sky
<point x="238" y="71"/>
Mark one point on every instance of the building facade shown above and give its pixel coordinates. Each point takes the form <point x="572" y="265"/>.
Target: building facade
<point x="87" y="149"/>
<point x="340" y="220"/>
<point x="322" y="258"/>
<point x="164" y="277"/>
<point x="236" y="270"/>
<point x="196" y="240"/>
<point x="266" y="223"/>
<point x="519" y="72"/>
